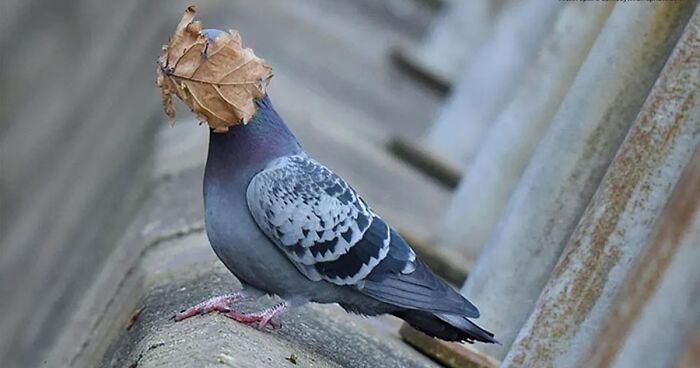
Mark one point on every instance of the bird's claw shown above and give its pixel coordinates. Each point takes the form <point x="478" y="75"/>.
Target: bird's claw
<point x="272" y="322"/>
<point x="219" y="304"/>
<point x="268" y="317"/>
<point x="259" y="320"/>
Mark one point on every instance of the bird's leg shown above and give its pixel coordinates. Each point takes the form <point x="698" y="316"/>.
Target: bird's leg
<point x="220" y="303"/>
<point x="269" y="316"/>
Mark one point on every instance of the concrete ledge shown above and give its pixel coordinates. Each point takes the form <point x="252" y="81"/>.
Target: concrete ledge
<point x="450" y="354"/>
<point x="171" y="210"/>
<point x="422" y="159"/>
<point x="404" y="61"/>
<point x="433" y="4"/>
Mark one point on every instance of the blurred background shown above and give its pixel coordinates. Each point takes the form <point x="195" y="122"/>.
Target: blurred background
<point x="541" y="155"/>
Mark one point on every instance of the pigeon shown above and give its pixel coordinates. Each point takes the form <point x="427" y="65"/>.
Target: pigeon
<point x="286" y="225"/>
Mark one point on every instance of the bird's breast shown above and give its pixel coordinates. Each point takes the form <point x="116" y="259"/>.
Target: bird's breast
<point x="244" y="249"/>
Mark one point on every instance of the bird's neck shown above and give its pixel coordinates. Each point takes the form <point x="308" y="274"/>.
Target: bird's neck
<point x="246" y="149"/>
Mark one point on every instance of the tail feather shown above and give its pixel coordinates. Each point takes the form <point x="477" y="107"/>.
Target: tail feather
<point x="421" y="298"/>
<point x="448" y="327"/>
<point x="420" y="289"/>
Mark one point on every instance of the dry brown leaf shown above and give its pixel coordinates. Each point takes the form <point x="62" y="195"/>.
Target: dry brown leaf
<point x="218" y="80"/>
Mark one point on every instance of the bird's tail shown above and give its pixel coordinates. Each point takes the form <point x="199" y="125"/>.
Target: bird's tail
<point x="449" y="327"/>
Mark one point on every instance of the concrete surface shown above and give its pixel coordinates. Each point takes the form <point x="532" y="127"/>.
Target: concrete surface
<point x="487" y="82"/>
<point x="483" y="192"/>
<point x="569" y="163"/>
<point x="459" y="27"/>
<point x="617" y="224"/>
<point x="75" y="161"/>
<point x="642" y="328"/>
<point x="450" y="354"/>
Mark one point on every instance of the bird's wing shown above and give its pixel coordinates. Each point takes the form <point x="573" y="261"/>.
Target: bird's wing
<point x="318" y="220"/>
<point x="329" y="233"/>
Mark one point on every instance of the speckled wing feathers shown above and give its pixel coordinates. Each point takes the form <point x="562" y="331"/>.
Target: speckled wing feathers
<point x="318" y="220"/>
<point x="329" y="233"/>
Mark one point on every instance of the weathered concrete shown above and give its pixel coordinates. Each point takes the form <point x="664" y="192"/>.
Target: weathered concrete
<point x="459" y="28"/>
<point x="425" y="161"/>
<point x="653" y="317"/>
<point x="172" y="210"/>
<point x="488" y="80"/>
<point x="616" y="224"/>
<point x="451" y="354"/>
<point x="484" y="190"/>
<point x="74" y="160"/>
<point x="569" y="163"/>
<point x="690" y="358"/>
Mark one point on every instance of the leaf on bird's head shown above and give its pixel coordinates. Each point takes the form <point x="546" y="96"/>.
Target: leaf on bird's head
<point x="214" y="76"/>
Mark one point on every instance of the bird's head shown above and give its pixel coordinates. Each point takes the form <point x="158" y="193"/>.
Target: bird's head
<point x="212" y="73"/>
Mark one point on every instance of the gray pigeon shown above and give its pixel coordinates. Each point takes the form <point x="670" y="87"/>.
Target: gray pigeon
<point x="286" y="225"/>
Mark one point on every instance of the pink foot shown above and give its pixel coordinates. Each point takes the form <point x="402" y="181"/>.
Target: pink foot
<point x="269" y="316"/>
<point x="220" y="303"/>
